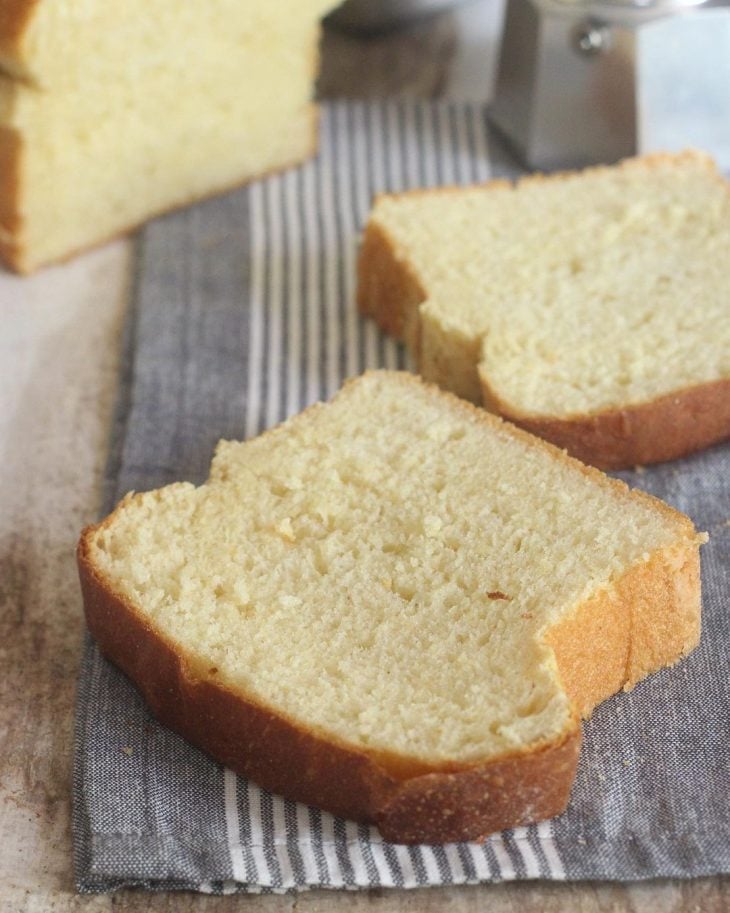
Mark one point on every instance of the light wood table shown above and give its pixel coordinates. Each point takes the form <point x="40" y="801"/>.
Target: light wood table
<point x="59" y="353"/>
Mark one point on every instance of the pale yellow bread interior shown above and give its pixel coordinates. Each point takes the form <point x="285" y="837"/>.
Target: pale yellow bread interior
<point x="383" y="569"/>
<point x="574" y="294"/>
<point x="124" y="110"/>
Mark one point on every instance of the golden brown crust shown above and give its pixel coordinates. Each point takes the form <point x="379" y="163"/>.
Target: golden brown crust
<point x="10" y="218"/>
<point x="387" y="288"/>
<point x="647" y="161"/>
<point x="471" y="804"/>
<point x="436" y="807"/>
<point x="668" y="427"/>
<point x="646" y="619"/>
<point x="15" y="16"/>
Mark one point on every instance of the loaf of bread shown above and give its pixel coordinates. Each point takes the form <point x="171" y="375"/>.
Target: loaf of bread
<point x="112" y="112"/>
<point x="393" y="606"/>
<point x="590" y="308"/>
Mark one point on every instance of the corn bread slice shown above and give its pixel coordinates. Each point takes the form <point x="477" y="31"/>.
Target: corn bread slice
<point x="114" y="112"/>
<point x="592" y="308"/>
<point x="393" y="606"/>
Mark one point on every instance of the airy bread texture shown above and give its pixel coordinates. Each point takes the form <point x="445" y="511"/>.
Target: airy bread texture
<point x="393" y="606"/>
<point x="591" y="308"/>
<point x="113" y="112"/>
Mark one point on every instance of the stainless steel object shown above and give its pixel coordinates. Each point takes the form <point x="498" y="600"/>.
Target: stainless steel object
<point x="583" y="82"/>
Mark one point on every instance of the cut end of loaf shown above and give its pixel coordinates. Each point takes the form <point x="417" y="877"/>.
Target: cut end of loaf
<point x="146" y="114"/>
<point x="382" y="575"/>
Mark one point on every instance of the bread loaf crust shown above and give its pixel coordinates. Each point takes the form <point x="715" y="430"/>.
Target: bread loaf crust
<point x="388" y="290"/>
<point x="666" y="428"/>
<point x="16" y="247"/>
<point x="10" y="218"/>
<point x="15" y="15"/>
<point x="285" y="757"/>
<point x="648" y="618"/>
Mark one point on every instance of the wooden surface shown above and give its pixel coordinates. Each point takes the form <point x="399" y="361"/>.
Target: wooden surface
<point x="58" y="370"/>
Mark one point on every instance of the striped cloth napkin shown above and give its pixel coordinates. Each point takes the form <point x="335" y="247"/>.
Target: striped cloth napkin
<point x="243" y="314"/>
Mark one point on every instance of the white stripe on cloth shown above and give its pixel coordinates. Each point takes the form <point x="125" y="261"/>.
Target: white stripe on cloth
<point x="369" y="175"/>
<point x="480" y="862"/>
<point x="256" y="306"/>
<point x="325" y="202"/>
<point x="550" y="849"/>
<point x="522" y="842"/>
<point x="233" y="825"/>
<point x="301" y="836"/>
<point x="281" y="847"/>
<point x="347" y="232"/>
<point x="312" y="302"/>
<point x="504" y="861"/>
<point x="327" y="824"/>
<point x="275" y="301"/>
<point x="293" y="363"/>
<point x="257" y="834"/>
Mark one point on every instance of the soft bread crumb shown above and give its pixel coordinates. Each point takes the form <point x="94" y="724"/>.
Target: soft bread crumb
<point x="121" y="114"/>
<point x="569" y="295"/>
<point x="359" y="620"/>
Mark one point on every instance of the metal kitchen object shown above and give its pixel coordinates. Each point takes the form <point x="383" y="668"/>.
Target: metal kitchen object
<point x="583" y="82"/>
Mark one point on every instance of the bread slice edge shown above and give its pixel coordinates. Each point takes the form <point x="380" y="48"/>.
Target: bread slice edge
<point x="665" y="428"/>
<point x="282" y="755"/>
<point x="15" y="19"/>
<point x="406" y="798"/>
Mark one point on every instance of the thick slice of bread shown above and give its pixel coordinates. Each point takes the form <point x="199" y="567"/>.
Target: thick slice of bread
<point x="114" y="112"/>
<point x="394" y="606"/>
<point x="591" y="308"/>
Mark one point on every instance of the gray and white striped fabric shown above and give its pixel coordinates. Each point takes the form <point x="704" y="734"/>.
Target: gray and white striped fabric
<point x="242" y="314"/>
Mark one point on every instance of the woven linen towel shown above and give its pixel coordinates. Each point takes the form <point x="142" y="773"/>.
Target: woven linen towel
<point x="243" y="314"/>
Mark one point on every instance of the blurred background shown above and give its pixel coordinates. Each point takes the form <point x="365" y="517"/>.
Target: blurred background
<point x="570" y="82"/>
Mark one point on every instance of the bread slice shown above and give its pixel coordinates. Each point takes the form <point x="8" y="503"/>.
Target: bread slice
<point x="590" y="308"/>
<point x="393" y="606"/>
<point x="114" y="112"/>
